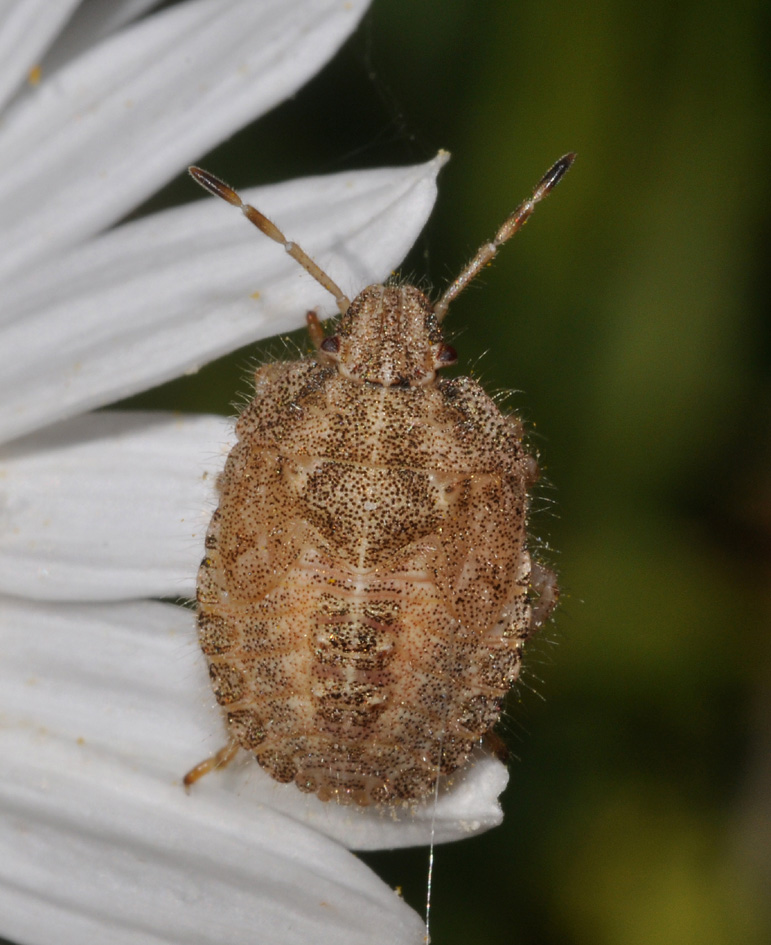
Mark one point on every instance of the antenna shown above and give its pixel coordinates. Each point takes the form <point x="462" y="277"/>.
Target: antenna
<point x="515" y="221"/>
<point x="220" y="189"/>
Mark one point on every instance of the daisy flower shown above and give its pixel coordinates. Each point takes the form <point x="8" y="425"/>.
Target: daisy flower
<point x="104" y="700"/>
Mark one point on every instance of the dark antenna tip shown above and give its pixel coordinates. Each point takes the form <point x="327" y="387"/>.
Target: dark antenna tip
<point x="214" y="185"/>
<point x="556" y="172"/>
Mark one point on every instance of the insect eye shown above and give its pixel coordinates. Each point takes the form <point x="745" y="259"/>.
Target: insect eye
<point x="446" y="355"/>
<point x="331" y="344"/>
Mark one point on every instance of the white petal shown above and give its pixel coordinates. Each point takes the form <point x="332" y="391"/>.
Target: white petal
<point x="115" y="124"/>
<point x="26" y="29"/>
<point x="100" y="842"/>
<point x="468" y="805"/>
<point x="160" y="296"/>
<point x="92" y="22"/>
<point x="109" y="506"/>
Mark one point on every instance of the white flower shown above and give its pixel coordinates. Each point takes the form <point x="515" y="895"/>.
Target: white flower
<point x="104" y="702"/>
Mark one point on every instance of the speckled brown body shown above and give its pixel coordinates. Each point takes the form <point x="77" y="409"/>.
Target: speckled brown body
<point x="366" y="589"/>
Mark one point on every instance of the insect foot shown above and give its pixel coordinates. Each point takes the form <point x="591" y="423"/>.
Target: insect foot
<point x="367" y="589"/>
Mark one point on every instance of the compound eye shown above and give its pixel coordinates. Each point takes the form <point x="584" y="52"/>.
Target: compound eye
<point x="445" y="355"/>
<point x="331" y="345"/>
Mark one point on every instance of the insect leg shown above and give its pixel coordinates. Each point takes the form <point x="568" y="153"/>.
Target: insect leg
<point x="219" y="760"/>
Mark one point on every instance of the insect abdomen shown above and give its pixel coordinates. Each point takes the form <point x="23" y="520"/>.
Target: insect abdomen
<point x="363" y="600"/>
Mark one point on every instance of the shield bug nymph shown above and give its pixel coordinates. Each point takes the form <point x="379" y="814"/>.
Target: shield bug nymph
<point x="367" y="588"/>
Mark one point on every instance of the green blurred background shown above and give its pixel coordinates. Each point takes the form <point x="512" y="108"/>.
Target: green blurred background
<point x="630" y="320"/>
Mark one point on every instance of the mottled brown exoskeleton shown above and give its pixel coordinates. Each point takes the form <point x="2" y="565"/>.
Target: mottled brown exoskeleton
<point x="367" y="589"/>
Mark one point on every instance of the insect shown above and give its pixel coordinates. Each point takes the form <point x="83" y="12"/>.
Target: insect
<point x="367" y="589"/>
